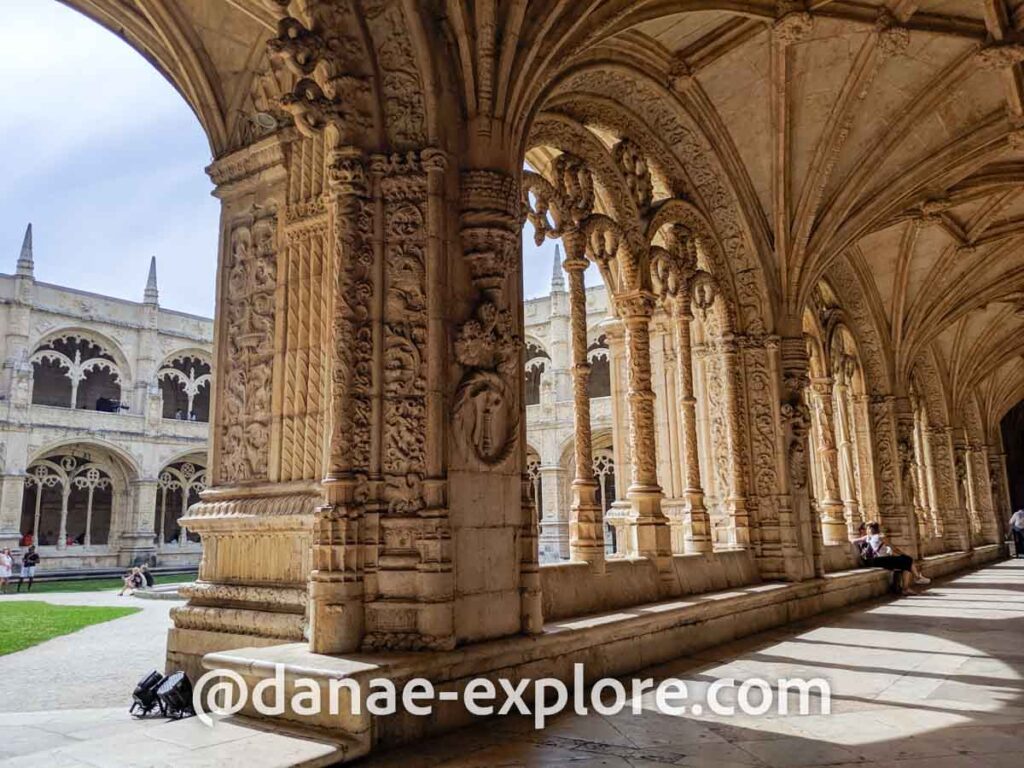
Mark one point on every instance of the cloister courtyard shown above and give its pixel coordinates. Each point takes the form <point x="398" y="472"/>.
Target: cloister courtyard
<point x="572" y="341"/>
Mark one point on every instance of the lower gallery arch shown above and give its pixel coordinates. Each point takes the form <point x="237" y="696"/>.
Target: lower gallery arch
<point x="179" y="485"/>
<point x="77" y="506"/>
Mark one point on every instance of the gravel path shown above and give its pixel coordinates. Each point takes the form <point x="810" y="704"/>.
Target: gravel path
<point x="95" y="667"/>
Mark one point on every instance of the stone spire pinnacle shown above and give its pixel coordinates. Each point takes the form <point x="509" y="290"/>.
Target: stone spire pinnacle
<point x="26" y="263"/>
<point x="557" y="279"/>
<point x="151" y="296"/>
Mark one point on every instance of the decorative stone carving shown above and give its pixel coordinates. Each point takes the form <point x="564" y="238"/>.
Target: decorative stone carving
<point x="245" y="376"/>
<point x="488" y="344"/>
<point x="793" y="22"/>
<point x="893" y="38"/>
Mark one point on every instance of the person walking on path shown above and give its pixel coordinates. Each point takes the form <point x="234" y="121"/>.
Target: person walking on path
<point x="28" y="568"/>
<point x="6" y="564"/>
<point x="1017" y="529"/>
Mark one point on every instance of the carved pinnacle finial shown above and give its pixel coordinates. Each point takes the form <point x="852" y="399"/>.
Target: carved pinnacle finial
<point x="557" y="280"/>
<point x="26" y="262"/>
<point x="151" y="296"/>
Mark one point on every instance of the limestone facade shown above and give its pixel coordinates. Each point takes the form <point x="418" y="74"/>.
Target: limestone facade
<point x="104" y="411"/>
<point x="807" y="217"/>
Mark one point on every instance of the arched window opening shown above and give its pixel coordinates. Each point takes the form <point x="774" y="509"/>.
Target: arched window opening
<point x="72" y="371"/>
<point x="536" y="487"/>
<point x="178" y="488"/>
<point x="537" y="360"/>
<point x="600" y="383"/>
<point x="185" y="386"/>
<point x="70" y="503"/>
<point x="604" y="474"/>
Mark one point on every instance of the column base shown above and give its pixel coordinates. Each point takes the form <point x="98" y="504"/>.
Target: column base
<point x="586" y="526"/>
<point x="648" y="529"/>
<point x="833" y="523"/>
<point x="699" y="539"/>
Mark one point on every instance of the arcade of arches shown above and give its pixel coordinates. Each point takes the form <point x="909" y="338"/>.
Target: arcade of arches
<point x="104" y="408"/>
<point x="811" y="213"/>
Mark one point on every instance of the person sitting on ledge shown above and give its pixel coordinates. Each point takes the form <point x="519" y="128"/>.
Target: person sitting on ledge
<point x="133" y="580"/>
<point x="876" y="552"/>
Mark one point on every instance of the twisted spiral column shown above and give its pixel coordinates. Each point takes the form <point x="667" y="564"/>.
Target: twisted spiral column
<point x="649" y="526"/>
<point x="586" y="522"/>
<point x="700" y="522"/>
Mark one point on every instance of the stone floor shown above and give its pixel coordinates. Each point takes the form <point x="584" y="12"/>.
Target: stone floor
<point x="933" y="681"/>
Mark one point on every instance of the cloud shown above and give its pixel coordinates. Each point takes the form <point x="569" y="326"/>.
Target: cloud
<point x="108" y="162"/>
<point x="108" y="165"/>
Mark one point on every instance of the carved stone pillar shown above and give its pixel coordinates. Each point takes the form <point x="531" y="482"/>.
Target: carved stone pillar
<point x="488" y="428"/>
<point x="955" y="532"/>
<point x="336" y="612"/>
<point x="865" y="457"/>
<point x="256" y="530"/>
<point x="649" y="528"/>
<point x="890" y="456"/>
<point x="586" y="523"/>
<point x="699" y="539"/>
<point x="966" y="508"/>
<point x="912" y="494"/>
<point x="844" y="438"/>
<point x="739" y="520"/>
<point x="981" y="490"/>
<point x="833" y="526"/>
<point x="794" y="501"/>
<point x="1000" y="488"/>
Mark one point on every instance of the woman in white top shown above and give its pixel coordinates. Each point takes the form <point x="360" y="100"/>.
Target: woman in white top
<point x="6" y="563"/>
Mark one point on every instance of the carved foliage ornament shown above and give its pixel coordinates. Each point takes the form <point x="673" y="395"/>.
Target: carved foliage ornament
<point x="249" y="309"/>
<point x="332" y="66"/>
<point x="403" y="182"/>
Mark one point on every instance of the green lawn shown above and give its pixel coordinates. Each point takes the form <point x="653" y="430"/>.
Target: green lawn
<point x="93" y="585"/>
<point x="25" y="623"/>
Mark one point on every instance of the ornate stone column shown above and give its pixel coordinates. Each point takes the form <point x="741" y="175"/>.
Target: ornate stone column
<point x="843" y="375"/>
<point x="833" y="528"/>
<point x="966" y="502"/>
<point x="977" y="456"/>
<point x="865" y="456"/>
<point x="1000" y="488"/>
<point x="794" y="502"/>
<point x="649" y="528"/>
<point x="890" y="455"/>
<point x="955" y="532"/>
<point x="739" y="533"/>
<point x="699" y="539"/>
<point x="586" y="523"/>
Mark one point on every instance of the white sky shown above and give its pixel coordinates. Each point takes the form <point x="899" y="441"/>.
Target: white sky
<point x="106" y="160"/>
